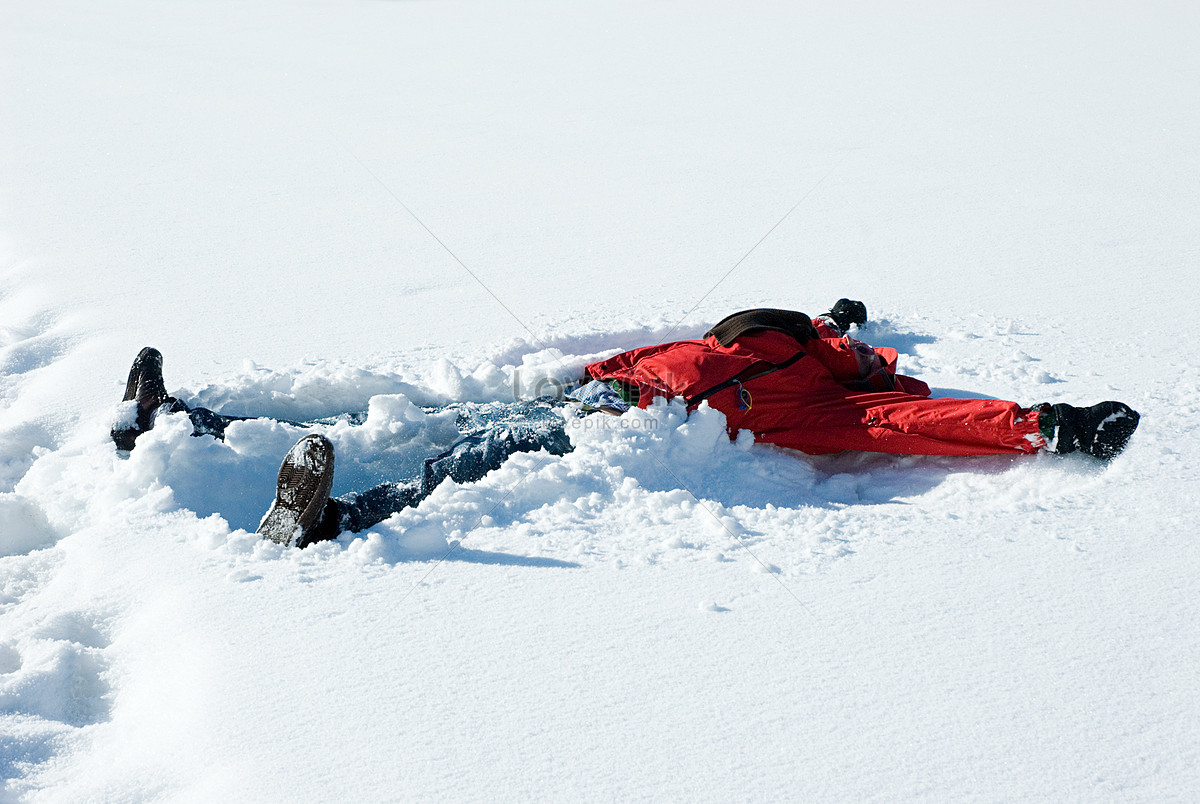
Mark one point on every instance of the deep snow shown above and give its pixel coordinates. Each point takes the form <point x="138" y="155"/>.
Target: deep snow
<point x="662" y="613"/>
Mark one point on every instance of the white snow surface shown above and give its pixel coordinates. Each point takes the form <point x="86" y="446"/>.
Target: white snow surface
<point x="326" y="207"/>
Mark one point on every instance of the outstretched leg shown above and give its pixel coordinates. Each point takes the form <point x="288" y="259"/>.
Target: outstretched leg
<point x="497" y="432"/>
<point x="145" y="387"/>
<point x="304" y="513"/>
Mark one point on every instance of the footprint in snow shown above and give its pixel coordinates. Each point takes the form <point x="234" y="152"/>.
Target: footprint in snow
<point x="58" y="673"/>
<point x="24" y="526"/>
<point x="243" y="576"/>
<point x="30" y="345"/>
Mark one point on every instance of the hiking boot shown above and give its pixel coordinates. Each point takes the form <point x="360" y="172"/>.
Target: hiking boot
<point x="145" y="383"/>
<point x="1101" y="430"/>
<point x="145" y="386"/>
<point x="846" y="312"/>
<point x="302" y="495"/>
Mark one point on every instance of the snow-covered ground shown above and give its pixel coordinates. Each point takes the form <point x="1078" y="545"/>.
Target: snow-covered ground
<point x="325" y="207"/>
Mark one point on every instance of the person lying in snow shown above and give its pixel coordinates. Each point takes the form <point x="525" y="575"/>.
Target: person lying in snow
<point x="791" y="380"/>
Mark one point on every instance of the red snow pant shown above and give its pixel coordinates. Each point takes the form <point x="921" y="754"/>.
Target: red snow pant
<point x="895" y="422"/>
<point x="807" y="406"/>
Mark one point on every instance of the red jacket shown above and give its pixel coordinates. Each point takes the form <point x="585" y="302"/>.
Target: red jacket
<point x="831" y="398"/>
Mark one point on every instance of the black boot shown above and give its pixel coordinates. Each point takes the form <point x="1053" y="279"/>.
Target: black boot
<point x="145" y="386"/>
<point x="302" y="495"/>
<point x="1101" y="430"/>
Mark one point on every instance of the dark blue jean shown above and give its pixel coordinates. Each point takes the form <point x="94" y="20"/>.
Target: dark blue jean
<point x="491" y="433"/>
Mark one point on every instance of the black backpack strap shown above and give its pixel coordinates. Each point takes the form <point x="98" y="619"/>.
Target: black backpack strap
<point x="753" y="372"/>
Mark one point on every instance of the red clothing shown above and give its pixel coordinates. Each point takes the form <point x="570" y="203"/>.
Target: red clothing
<point x="809" y="406"/>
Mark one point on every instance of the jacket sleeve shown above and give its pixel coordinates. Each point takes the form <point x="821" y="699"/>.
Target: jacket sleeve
<point x="849" y="362"/>
<point x="824" y="330"/>
<point x="623" y="367"/>
<point x="839" y="356"/>
<point x="620" y="367"/>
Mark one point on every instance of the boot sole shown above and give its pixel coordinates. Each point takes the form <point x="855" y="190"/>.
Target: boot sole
<point x="305" y="481"/>
<point x="135" y="371"/>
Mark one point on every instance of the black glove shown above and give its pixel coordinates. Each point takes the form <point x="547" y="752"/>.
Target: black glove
<point x="847" y="312"/>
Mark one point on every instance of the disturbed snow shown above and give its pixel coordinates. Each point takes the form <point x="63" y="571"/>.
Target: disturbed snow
<point x="662" y="613"/>
<point x="653" y="488"/>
